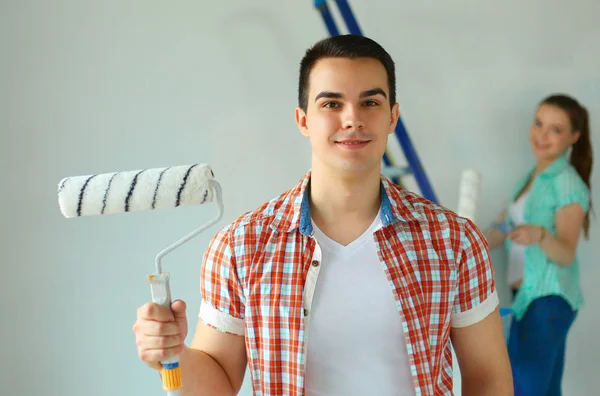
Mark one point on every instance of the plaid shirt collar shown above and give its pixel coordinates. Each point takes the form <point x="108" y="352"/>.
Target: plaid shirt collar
<point x="294" y="212"/>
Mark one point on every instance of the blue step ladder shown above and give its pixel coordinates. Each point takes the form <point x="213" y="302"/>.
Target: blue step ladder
<point x="390" y="170"/>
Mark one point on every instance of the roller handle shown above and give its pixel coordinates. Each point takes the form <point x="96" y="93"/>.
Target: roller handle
<point x="171" y="372"/>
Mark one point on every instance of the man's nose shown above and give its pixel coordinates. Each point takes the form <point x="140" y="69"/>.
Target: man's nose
<point x="352" y="118"/>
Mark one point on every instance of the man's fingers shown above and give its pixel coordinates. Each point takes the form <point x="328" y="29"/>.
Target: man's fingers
<point x="160" y="332"/>
<point x="153" y="311"/>
<point x="154" y="328"/>
<point x="179" y="307"/>
<point x="154" y="356"/>
<point x="154" y="342"/>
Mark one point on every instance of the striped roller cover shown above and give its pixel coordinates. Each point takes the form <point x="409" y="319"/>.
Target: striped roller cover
<point x="129" y="191"/>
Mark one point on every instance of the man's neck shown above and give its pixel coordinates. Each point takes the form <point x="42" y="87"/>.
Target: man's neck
<point x="339" y="198"/>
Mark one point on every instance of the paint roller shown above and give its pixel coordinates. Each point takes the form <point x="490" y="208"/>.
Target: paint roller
<point x="148" y="189"/>
<point x="468" y="196"/>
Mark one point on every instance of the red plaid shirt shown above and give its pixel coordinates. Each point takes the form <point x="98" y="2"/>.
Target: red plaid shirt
<point x="259" y="276"/>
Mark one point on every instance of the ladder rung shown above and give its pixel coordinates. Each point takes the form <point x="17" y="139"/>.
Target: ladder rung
<point x="395" y="171"/>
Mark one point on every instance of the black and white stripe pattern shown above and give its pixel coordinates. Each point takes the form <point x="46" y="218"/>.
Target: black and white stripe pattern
<point x="157" y="186"/>
<point x="80" y="201"/>
<point x="106" y="192"/>
<point x="130" y="191"/>
<point x="183" y="184"/>
<point x="131" y="188"/>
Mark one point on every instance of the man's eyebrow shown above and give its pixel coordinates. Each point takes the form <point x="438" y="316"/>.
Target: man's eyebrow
<point x="329" y="94"/>
<point x="373" y="92"/>
<point x="364" y="94"/>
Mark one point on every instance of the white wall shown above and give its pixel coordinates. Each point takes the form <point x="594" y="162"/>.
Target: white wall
<point x="90" y="87"/>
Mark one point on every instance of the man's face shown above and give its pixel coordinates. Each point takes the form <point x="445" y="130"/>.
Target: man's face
<point x="348" y="118"/>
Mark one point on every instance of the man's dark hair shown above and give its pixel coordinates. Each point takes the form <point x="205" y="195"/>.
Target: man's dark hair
<point x="344" y="46"/>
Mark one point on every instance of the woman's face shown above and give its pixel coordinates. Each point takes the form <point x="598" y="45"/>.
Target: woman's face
<point x="551" y="133"/>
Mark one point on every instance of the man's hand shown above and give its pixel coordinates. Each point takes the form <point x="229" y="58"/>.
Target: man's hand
<point x="160" y="333"/>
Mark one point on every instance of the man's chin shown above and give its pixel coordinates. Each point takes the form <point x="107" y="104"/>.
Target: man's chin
<point x="357" y="166"/>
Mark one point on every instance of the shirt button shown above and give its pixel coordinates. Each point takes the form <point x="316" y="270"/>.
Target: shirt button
<point x="315" y="263"/>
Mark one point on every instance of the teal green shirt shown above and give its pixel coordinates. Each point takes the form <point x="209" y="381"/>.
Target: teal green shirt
<point x="557" y="186"/>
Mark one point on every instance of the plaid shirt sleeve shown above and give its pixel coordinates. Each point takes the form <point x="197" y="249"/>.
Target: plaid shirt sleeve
<point x="477" y="296"/>
<point x="222" y="304"/>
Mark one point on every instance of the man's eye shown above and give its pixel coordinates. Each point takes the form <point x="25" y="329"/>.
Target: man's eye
<point x="371" y="103"/>
<point x="331" y="105"/>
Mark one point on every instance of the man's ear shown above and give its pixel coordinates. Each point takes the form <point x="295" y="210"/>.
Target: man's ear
<point x="302" y="121"/>
<point x="394" y="115"/>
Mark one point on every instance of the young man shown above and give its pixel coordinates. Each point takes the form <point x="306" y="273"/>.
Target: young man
<point x="346" y="284"/>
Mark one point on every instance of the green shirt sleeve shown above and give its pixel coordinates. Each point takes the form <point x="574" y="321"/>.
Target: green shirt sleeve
<point x="570" y="188"/>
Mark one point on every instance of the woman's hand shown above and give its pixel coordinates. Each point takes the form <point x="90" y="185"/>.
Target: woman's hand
<point x="527" y="234"/>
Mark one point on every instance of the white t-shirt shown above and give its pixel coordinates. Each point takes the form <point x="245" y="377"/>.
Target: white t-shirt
<point x="516" y="258"/>
<point x="355" y="344"/>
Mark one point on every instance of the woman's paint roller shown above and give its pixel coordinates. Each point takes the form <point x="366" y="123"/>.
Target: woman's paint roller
<point x="468" y="197"/>
<point x="148" y="189"/>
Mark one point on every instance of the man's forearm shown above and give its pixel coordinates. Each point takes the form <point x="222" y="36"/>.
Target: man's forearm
<point x="202" y="375"/>
<point x="487" y="385"/>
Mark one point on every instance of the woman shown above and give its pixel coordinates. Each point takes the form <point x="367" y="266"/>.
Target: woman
<point x="541" y="229"/>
